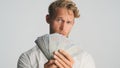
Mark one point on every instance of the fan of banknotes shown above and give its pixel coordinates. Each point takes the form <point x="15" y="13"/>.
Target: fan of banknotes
<point x="49" y="43"/>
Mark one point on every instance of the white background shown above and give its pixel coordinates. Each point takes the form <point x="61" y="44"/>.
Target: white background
<point x="97" y="30"/>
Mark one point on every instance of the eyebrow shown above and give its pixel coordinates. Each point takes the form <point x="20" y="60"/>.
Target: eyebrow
<point x="67" y="21"/>
<point x="59" y="17"/>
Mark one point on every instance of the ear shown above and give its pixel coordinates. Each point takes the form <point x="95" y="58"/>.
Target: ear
<point x="48" y="19"/>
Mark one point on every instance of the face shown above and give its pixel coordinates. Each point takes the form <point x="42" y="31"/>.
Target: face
<point x="62" y="22"/>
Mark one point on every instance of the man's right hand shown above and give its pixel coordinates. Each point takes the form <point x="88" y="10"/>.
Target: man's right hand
<point x="50" y="64"/>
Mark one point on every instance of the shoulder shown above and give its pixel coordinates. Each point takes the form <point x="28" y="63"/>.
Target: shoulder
<point x="86" y="56"/>
<point x="32" y="57"/>
<point x="24" y="59"/>
<point x="85" y="60"/>
<point x="30" y="53"/>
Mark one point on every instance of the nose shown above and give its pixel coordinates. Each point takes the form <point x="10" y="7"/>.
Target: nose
<point x="63" y="26"/>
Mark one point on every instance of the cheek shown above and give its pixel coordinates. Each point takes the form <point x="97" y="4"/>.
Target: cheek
<point x="68" y="29"/>
<point x="55" y="26"/>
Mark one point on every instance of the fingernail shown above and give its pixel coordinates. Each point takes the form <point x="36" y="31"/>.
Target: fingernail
<point x="60" y="50"/>
<point x="54" y="56"/>
<point x="56" y="52"/>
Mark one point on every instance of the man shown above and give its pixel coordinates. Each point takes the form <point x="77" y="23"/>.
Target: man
<point x="61" y="20"/>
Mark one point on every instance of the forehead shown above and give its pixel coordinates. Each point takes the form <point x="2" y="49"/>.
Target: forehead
<point x="63" y="12"/>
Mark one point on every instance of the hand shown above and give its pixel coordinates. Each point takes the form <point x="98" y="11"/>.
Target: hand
<point x="63" y="59"/>
<point x="50" y="64"/>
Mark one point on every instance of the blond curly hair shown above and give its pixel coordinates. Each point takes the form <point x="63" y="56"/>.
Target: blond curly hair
<point x="68" y="4"/>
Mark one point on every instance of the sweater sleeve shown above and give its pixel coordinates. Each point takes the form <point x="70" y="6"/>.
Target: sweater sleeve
<point x="23" y="61"/>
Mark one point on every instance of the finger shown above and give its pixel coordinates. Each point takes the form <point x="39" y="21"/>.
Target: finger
<point x="68" y="56"/>
<point x="52" y="66"/>
<point x="50" y="62"/>
<point x="62" y="59"/>
<point x="59" y="62"/>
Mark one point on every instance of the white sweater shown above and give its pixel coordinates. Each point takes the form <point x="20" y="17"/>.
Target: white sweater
<point x="34" y="58"/>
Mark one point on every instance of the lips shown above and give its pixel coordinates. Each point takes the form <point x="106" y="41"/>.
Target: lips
<point x="64" y="34"/>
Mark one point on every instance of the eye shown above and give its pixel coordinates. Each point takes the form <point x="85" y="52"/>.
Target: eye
<point x="69" y="22"/>
<point x="59" y="20"/>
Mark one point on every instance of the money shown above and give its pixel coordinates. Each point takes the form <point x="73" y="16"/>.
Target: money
<point x="49" y="43"/>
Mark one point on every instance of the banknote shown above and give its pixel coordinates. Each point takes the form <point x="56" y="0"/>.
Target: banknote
<point x="49" y="43"/>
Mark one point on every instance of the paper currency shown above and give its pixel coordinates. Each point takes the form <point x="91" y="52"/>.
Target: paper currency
<point x="52" y="42"/>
